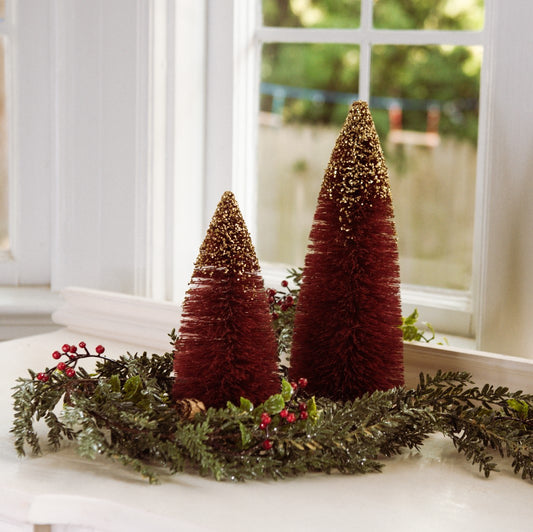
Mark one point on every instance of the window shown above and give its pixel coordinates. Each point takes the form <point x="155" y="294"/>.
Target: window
<point x="418" y="64"/>
<point x="499" y="38"/>
<point x="113" y="190"/>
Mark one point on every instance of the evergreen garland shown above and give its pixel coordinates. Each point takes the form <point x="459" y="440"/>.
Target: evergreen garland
<point x="124" y="411"/>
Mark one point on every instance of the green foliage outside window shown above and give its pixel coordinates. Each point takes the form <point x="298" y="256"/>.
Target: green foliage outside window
<point x="445" y="76"/>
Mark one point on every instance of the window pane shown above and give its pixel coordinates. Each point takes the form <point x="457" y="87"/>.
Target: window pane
<point x="306" y="92"/>
<point x="312" y="13"/>
<point x="4" y="236"/>
<point x="429" y="14"/>
<point x="424" y="100"/>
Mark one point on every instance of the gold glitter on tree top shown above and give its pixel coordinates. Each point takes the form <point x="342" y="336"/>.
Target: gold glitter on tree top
<point x="227" y="243"/>
<point x="356" y="174"/>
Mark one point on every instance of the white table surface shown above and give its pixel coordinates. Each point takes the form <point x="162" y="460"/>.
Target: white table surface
<point x="429" y="491"/>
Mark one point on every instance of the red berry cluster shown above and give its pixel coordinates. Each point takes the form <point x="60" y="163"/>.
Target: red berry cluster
<point x="72" y="356"/>
<point x="280" y="301"/>
<point x="294" y="410"/>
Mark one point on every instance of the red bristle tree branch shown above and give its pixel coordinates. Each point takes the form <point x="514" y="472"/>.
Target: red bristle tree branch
<point x="226" y="347"/>
<point x="347" y="339"/>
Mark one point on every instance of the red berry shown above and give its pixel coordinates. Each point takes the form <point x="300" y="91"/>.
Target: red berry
<point x="304" y="415"/>
<point x="82" y="345"/>
<point x="302" y="382"/>
<point x="267" y="444"/>
<point x="294" y="385"/>
<point x="289" y="300"/>
<point x="99" y="349"/>
<point x="70" y="372"/>
<point x="302" y="407"/>
<point x="73" y="357"/>
<point x="56" y="354"/>
<point x="284" y="307"/>
<point x="265" y="419"/>
<point x="284" y="283"/>
<point x="284" y="413"/>
<point x="73" y="348"/>
<point x="262" y="426"/>
<point x="45" y="377"/>
<point x="275" y="316"/>
<point x="291" y="418"/>
<point x="271" y="299"/>
<point x="271" y="292"/>
<point x="61" y="366"/>
<point x="40" y="376"/>
<point x="65" y="348"/>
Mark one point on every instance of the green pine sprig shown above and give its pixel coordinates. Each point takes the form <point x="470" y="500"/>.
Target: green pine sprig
<point x="123" y="411"/>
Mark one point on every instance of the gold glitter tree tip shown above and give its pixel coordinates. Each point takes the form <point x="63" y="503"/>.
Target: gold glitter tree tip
<point x="228" y="244"/>
<point x="356" y="174"/>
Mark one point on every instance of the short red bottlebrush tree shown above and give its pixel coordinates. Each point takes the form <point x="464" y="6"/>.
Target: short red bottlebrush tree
<point x="226" y="347"/>
<point x="347" y="339"/>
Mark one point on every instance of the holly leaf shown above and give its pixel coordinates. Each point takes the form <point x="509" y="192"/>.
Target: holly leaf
<point x="286" y="390"/>
<point x="274" y="404"/>
<point x="246" y="405"/>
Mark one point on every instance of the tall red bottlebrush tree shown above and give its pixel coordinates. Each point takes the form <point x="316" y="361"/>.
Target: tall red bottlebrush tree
<point x="226" y="347"/>
<point x="347" y="339"/>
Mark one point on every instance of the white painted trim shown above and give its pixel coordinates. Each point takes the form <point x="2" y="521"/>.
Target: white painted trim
<point x="375" y="36"/>
<point x="246" y="56"/>
<point x="503" y="370"/>
<point x="483" y="177"/>
<point x="219" y="104"/>
<point x="505" y="310"/>
<point x="120" y="317"/>
<point x="143" y="137"/>
<point x="189" y="123"/>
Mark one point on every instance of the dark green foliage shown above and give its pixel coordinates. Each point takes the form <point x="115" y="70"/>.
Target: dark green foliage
<point x="124" y="412"/>
<point x="282" y="308"/>
<point x="412" y="333"/>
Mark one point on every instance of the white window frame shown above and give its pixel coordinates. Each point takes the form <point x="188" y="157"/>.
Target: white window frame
<point x="498" y="319"/>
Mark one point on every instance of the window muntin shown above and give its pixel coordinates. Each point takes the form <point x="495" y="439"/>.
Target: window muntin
<point x="4" y="181"/>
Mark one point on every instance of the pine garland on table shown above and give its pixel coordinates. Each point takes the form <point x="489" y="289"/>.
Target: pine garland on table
<point x="124" y="411"/>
